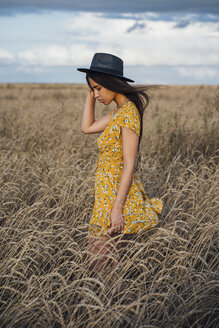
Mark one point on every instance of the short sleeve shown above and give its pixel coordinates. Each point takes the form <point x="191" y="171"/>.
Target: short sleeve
<point x="130" y="118"/>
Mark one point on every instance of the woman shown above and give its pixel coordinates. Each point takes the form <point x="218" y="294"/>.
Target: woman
<point x="121" y="206"/>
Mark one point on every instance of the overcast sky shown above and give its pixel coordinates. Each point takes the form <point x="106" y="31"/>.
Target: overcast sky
<point x="160" y="41"/>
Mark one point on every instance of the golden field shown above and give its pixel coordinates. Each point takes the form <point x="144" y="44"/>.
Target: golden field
<point x="170" y="273"/>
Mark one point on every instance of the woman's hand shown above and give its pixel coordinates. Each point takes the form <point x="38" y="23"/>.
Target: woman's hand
<point x="116" y="218"/>
<point x="91" y="93"/>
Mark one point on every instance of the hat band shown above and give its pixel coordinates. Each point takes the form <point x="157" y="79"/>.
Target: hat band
<point x="106" y="70"/>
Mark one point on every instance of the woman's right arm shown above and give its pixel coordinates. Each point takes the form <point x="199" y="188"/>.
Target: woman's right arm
<point x="88" y="123"/>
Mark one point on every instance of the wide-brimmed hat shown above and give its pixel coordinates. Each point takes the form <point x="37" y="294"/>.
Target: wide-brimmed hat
<point x="108" y="64"/>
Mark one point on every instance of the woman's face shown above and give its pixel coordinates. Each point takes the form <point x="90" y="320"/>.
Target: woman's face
<point x="104" y="95"/>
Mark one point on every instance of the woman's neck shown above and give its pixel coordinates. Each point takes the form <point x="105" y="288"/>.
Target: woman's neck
<point x="120" y="100"/>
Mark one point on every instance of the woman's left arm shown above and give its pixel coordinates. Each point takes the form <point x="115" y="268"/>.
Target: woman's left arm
<point x="130" y="146"/>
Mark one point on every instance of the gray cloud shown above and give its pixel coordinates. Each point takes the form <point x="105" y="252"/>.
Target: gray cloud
<point x="9" y="7"/>
<point x="136" y="26"/>
<point x="182" y="24"/>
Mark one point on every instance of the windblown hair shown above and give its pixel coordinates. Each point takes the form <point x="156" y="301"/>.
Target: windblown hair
<point x="137" y="94"/>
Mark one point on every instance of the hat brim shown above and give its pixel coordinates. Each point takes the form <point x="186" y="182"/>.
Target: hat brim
<point x="87" y="70"/>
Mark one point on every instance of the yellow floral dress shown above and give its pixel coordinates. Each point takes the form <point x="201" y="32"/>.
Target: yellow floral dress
<point x="139" y="212"/>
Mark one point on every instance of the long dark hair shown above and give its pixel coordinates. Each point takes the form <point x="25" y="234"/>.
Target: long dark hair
<point x="137" y="94"/>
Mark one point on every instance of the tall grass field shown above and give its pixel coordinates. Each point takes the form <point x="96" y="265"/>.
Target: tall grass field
<point x="169" y="274"/>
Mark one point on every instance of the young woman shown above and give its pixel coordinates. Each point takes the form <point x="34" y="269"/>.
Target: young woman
<point x="121" y="205"/>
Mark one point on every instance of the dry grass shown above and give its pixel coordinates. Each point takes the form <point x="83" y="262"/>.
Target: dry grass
<point x="169" y="274"/>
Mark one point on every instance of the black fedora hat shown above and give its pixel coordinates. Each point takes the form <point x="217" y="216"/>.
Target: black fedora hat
<point x="107" y="64"/>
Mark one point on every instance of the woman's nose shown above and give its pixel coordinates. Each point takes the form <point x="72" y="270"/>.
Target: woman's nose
<point x="96" y="94"/>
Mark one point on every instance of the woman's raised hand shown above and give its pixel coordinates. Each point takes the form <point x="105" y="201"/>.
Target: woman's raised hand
<point x="91" y="92"/>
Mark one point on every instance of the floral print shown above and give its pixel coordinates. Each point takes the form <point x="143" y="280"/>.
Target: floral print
<point x="139" y="212"/>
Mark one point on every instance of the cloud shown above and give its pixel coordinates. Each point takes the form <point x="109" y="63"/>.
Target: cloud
<point x="5" y="57"/>
<point x="136" y="26"/>
<point x="182" y="24"/>
<point x="198" y="73"/>
<point x="38" y="44"/>
<point x="161" y="45"/>
<point x="198" y="6"/>
<point x="148" y="42"/>
<point x="55" y="55"/>
<point x="48" y="56"/>
<point x="183" y="21"/>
